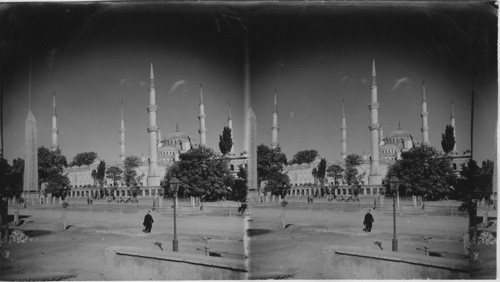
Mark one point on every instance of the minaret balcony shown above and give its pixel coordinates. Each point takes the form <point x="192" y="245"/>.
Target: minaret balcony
<point x="374" y="126"/>
<point x="152" y="108"/>
<point x="54" y="130"/>
<point x="374" y="105"/>
<point x="152" y="128"/>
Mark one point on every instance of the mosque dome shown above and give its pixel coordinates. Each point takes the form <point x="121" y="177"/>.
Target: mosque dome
<point x="399" y="133"/>
<point x="177" y="135"/>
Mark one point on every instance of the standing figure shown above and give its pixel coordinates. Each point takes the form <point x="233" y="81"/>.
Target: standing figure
<point x="368" y="221"/>
<point x="148" y="223"/>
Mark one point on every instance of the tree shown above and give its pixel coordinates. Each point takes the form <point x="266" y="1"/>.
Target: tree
<point x="269" y="159"/>
<point x="115" y="174"/>
<point x="130" y="174"/>
<point x="319" y="173"/>
<point x="351" y="174"/>
<point x="201" y="173"/>
<point x="225" y="141"/>
<point x="17" y="176"/>
<point x="277" y="182"/>
<point x="57" y="185"/>
<point x="240" y="189"/>
<point x="423" y="171"/>
<point x="49" y="163"/>
<point x="305" y="156"/>
<point x="335" y="171"/>
<point x="100" y="174"/>
<point x="474" y="184"/>
<point x="448" y="140"/>
<point x="85" y="158"/>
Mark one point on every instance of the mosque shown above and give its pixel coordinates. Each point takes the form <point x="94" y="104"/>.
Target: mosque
<point x="163" y="152"/>
<point x="385" y="151"/>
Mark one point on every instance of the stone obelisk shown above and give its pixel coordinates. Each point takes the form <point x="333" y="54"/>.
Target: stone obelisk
<point x="424" y="115"/>
<point x="452" y="123"/>
<point x="230" y="125"/>
<point x="153" y="175"/>
<point x="30" y="155"/>
<point x="201" y="117"/>
<point x="374" y="178"/>
<point x="122" y="136"/>
<point x="275" y="128"/>
<point x="252" y="151"/>
<point x="54" y="130"/>
<point x="343" y="129"/>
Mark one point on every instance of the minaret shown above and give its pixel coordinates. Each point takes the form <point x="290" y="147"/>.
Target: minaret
<point x="424" y="115"/>
<point x="122" y="136"/>
<point x="344" y="133"/>
<point x="275" y="127"/>
<point x="381" y="136"/>
<point x="54" y="130"/>
<point x="452" y="123"/>
<point x="230" y="125"/>
<point x="374" y="178"/>
<point x="153" y="175"/>
<point x="201" y="117"/>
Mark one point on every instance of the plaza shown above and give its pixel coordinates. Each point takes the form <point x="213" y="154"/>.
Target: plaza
<point x="78" y="252"/>
<point x="296" y="252"/>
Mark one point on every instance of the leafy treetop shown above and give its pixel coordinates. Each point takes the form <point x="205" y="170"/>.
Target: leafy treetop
<point x="201" y="173"/>
<point x="448" y="140"/>
<point x="305" y="156"/>
<point x="85" y="158"/>
<point x="474" y="184"/>
<point x="423" y="171"/>
<point x="225" y="141"/>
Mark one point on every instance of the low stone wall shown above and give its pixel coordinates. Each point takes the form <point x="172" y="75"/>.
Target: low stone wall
<point x="345" y="262"/>
<point x="128" y="263"/>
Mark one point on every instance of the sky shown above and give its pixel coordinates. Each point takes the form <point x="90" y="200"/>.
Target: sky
<point x="315" y="54"/>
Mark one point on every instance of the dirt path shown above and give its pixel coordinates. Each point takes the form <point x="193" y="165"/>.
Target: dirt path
<point x="80" y="249"/>
<point x="296" y="252"/>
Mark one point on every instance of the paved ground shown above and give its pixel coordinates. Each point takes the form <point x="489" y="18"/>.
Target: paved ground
<point x="79" y="249"/>
<point x="296" y="252"/>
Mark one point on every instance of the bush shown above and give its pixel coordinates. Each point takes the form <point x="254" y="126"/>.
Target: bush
<point x="486" y="238"/>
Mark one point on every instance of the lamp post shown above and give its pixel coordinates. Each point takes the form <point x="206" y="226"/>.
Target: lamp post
<point x="174" y="183"/>
<point x="394" y="182"/>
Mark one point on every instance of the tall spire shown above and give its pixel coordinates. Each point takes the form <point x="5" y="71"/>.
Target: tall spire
<point x="375" y="177"/>
<point x="344" y="134"/>
<point x="275" y="128"/>
<point x="153" y="174"/>
<point x="54" y="130"/>
<point x="424" y="115"/>
<point x="252" y="151"/>
<point x="201" y="117"/>
<point x="230" y="125"/>
<point x="122" y="135"/>
<point x="30" y="180"/>
<point x="452" y="123"/>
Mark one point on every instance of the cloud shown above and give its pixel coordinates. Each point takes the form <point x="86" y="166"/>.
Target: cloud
<point x="399" y="82"/>
<point x="176" y="85"/>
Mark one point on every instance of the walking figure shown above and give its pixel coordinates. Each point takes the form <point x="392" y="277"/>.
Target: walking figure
<point x="368" y="221"/>
<point x="148" y="223"/>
